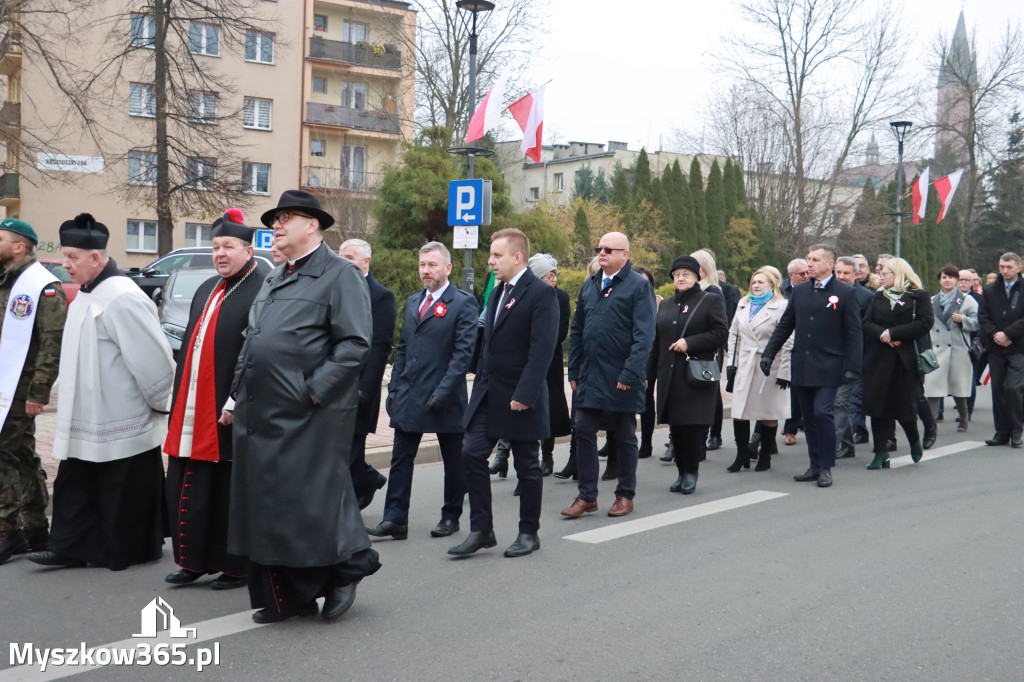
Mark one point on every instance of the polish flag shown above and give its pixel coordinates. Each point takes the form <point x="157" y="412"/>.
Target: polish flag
<point x="488" y="114"/>
<point x="919" y="192"/>
<point x="529" y="114"/>
<point x="946" y="187"/>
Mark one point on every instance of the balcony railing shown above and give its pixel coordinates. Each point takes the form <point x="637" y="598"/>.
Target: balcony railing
<point x="363" y="119"/>
<point x="10" y="114"/>
<point x="318" y="177"/>
<point x="360" y="54"/>
<point x="9" y="186"/>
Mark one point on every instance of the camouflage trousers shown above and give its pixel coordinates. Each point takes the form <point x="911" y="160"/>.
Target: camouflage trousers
<point x="23" y="493"/>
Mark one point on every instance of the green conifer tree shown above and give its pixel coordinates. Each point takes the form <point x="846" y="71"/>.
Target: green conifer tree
<point x="684" y="220"/>
<point x="581" y="237"/>
<point x="714" y="198"/>
<point x="642" y="178"/>
<point x="621" y="194"/>
<point x="700" y="216"/>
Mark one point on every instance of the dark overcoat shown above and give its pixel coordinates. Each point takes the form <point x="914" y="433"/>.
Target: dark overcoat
<point x="514" y="360"/>
<point x="679" y="403"/>
<point x="432" y="359"/>
<point x="998" y="312"/>
<point x="891" y="381"/>
<point x="561" y="424"/>
<point x="227" y="342"/>
<point x="384" y="314"/>
<point x="610" y="341"/>
<point x="828" y="340"/>
<point x="296" y="391"/>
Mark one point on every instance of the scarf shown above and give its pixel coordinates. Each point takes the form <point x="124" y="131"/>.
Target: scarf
<point x="757" y="302"/>
<point x="946" y="302"/>
<point x="895" y="294"/>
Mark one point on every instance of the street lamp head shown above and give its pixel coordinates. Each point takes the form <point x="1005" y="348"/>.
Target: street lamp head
<point x="899" y="129"/>
<point x="475" y="6"/>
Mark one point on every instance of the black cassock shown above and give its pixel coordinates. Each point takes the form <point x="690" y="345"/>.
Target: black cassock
<point x="198" y="492"/>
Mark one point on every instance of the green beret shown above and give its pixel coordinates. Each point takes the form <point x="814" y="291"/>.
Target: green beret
<point x="20" y="227"/>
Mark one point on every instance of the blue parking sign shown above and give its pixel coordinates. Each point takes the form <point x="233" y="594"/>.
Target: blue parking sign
<point x="469" y="202"/>
<point x="264" y="239"/>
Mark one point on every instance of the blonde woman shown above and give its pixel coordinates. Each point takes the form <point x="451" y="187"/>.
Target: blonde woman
<point x="756" y="397"/>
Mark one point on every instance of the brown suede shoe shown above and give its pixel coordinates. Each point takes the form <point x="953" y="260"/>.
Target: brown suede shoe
<point x="621" y="507"/>
<point x="579" y="508"/>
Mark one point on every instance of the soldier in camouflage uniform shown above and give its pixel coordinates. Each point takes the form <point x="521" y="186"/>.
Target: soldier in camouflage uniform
<point x="23" y="494"/>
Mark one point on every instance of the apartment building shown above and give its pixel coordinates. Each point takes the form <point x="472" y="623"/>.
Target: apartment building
<point x="320" y="98"/>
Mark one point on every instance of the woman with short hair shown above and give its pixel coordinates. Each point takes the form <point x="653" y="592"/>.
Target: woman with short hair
<point x="956" y="317"/>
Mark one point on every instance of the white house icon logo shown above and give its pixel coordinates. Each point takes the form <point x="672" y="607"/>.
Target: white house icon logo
<point x="158" y="615"/>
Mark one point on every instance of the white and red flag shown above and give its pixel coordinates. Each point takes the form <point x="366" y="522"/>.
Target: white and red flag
<point x="529" y="114"/>
<point x="946" y="187"/>
<point x="919" y="192"/>
<point x="488" y="114"/>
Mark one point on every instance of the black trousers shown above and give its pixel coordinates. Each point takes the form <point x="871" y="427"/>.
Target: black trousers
<point x="198" y="498"/>
<point x="362" y="473"/>
<point x="796" y="420"/>
<point x="689" y="444"/>
<point x="882" y="428"/>
<point x="403" y="453"/>
<point x="1007" y="401"/>
<point x="287" y="588"/>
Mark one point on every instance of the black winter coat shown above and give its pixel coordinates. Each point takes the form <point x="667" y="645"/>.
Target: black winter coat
<point x="384" y="313"/>
<point x="561" y="424"/>
<point x="997" y="313"/>
<point x="891" y="381"/>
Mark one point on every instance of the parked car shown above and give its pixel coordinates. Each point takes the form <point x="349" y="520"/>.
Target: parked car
<point x="154" y="276"/>
<point x="174" y="301"/>
<point x="57" y="268"/>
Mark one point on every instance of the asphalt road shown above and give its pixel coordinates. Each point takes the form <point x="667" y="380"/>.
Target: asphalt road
<point x="914" y="573"/>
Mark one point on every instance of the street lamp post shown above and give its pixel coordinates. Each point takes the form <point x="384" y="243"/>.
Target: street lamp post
<point x="474" y="7"/>
<point x="899" y="129"/>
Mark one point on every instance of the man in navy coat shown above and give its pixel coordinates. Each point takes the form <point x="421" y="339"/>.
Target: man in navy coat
<point x="828" y="351"/>
<point x="427" y="393"/>
<point x="510" y="393"/>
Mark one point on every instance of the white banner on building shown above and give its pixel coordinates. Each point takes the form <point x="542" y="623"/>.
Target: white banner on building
<point x="71" y="164"/>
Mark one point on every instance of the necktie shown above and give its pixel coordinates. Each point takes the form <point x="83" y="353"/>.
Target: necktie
<point x="501" y="301"/>
<point x="1008" y="287"/>
<point x="426" y="304"/>
<point x="819" y="285"/>
<point x="606" y="283"/>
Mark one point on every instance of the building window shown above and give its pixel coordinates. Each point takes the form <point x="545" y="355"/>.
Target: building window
<point x="319" y="22"/>
<point x="353" y="95"/>
<point x="317" y="148"/>
<point x="354" y="32"/>
<point x="142" y="168"/>
<point x="141" y="99"/>
<point x="320" y="85"/>
<point x="197" y="234"/>
<point x="141" y="236"/>
<point x="204" y="39"/>
<point x="143" y="30"/>
<point x="259" y="47"/>
<point x="200" y="172"/>
<point x="256" y="178"/>
<point x="353" y="166"/>
<point x="256" y="113"/>
<point x="534" y="194"/>
<point x="202" y="107"/>
<point x="559" y="182"/>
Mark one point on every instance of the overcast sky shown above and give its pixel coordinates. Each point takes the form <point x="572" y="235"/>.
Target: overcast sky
<point x="634" y="71"/>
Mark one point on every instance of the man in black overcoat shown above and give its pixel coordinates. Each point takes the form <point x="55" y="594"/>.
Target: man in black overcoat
<point x="1001" y="321"/>
<point x="365" y="479"/>
<point x="828" y="351"/>
<point x="510" y="394"/>
<point x="427" y="392"/>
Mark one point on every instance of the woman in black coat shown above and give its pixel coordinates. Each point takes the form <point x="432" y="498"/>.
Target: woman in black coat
<point x="899" y="316"/>
<point x="690" y="324"/>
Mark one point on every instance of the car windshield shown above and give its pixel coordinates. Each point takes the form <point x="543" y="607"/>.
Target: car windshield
<point x="58" y="270"/>
<point x="186" y="283"/>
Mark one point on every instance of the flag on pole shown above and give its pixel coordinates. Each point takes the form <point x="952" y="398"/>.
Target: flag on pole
<point x="529" y="114"/>
<point x="919" y="192"/>
<point x="946" y="187"/>
<point x="488" y="114"/>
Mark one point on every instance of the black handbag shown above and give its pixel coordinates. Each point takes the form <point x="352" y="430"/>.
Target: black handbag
<point x="927" y="360"/>
<point x="701" y="373"/>
<point x="730" y="371"/>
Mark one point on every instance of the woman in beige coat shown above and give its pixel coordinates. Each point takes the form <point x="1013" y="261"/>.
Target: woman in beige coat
<point x="755" y="396"/>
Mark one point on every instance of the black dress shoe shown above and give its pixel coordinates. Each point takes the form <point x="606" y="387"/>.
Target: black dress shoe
<point x="825" y="478"/>
<point x="526" y="543"/>
<point x="689" y="484"/>
<point x="366" y="492"/>
<point x="996" y="440"/>
<point x="860" y="438"/>
<point x="12" y="542"/>
<point x="228" y="582"/>
<point x="183" y="577"/>
<point x="714" y="442"/>
<point x="846" y="452"/>
<point x="338" y="601"/>
<point x="269" y="615"/>
<point x="444" y="528"/>
<point x="930" y="435"/>
<point x="476" y="540"/>
<point x="48" y="558"/>
<point x="645" y="451"/>
<point x="809" y="475"/>
<point x="499" y="465"/>
<point x="547" y="465"/>
<point x="890" y="445"/>
<point x="384" y="529"/>
<point x="1016" y="442"/>
<point x="669" y="454"/>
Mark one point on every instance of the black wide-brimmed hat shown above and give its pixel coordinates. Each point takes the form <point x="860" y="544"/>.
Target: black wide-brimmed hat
<point x="232" y="224"/>
<point x="83" y="232"/>
<point x="301" y="202"/>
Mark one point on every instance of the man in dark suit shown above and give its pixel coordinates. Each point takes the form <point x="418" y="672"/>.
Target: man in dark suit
<point x="828" y="351"/>
<point x="510" y="394"/>
<point x="365" y="479"/>
<point x="427" y="393"/>
<point x="848" y="397"/>
<point x="1001" y="321"/>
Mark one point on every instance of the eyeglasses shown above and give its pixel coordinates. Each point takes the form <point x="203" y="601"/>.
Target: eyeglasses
<point x="284" y="216"/>
<point x="607" y="250"/>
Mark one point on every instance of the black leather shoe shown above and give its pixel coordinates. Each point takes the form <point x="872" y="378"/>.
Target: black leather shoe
<point x="890" y="445"/>
<point x="444" y="528"/>
<point x="1016" y="442"/>
<point x="384" y="529"/>
<point x="475" y="541"/>
<point x="677" y="486"/>
<point x="930" y="435"/>
<point x="611" y="473"/>
<point x="366" y="492"/>
<point x="48" y="558"/>
<point x="547" y="465"/>
<point x="689" y="484"/>
<point x="645" y="451"/>
<point x="669" y="454"/>
<point x="12" y="542"/>
<point x="860" y="438"/>
<point x="338" y="601"/>
<point x="825" y="478"/>
<point x="809" y="475"/>
<point x="499" y="465"/>
<point x="714" y="442"/>
<point x="526" y="543"/>
<point x="228" y="582"/>
<point x="267" y="615"/>
<point x="996" y="440"/>
<point x="568" y="472"/>
<point x="846" y="452"/>
<point x="183" y="577"/>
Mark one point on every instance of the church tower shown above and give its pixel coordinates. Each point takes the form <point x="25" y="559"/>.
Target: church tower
<point x="958" y="84"/>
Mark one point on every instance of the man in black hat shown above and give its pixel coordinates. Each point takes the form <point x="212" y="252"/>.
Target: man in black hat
<point x="116" y="373"/>
<point x="32" y="312"/>
<point x="294" y="512"/>
<point x="198" y="443"/>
